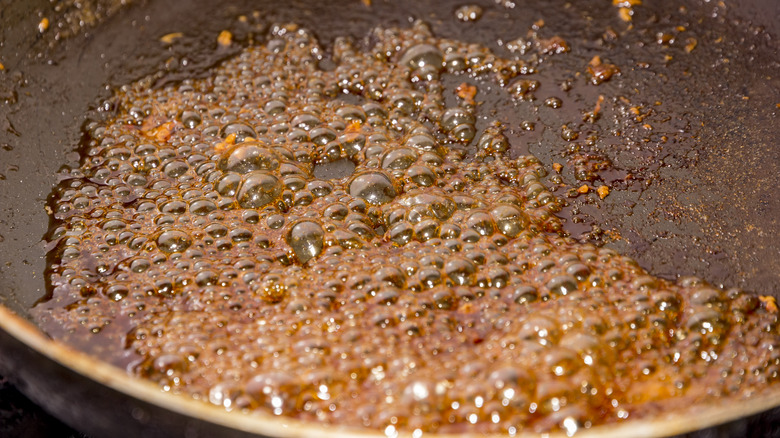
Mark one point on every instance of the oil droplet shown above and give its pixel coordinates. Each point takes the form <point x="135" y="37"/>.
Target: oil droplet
<point x="249" y="156"/>
<point x="374" y="187"/>
<point x="173" y="241"/>
<point x="306" y="240"/>
<point x="259" y="189"/>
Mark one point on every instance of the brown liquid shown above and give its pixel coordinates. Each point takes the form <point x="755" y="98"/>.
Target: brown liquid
<point x="203" y="246"/>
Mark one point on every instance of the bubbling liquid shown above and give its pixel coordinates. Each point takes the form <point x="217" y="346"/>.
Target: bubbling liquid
<point x="206" y="247"/>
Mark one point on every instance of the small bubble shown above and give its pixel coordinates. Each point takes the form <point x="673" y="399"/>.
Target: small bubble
<point x="468" y="13"/>
<point x="553" y="102"/>
<point x="249" y="156"/>
<point x="423" y="55"/>
<point x="374" y="187"/>
<point x="258" y="189"/>
<point x="173" y="241"/>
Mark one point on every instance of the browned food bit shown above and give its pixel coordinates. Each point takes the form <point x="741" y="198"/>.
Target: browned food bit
<point x="466" y="92"/>
<point x="569" y="134"/>
<point x="583" y="189"/>
<point x="690" y="44"/>
<point x="43" y="25"/>
<point x="524" y="88"/>
<point x="592" y="116"/>
<point x="553" y="45"/>
<point x="603" y="191"/>
<point x="353" y="126"/>
<point x="557" y="167"/>
<point x="223" y="145"/>
<point x="225" y="38"/>
<point x="601" y="72"/>
<point x="665" y="39"/>
<point x="626" y="3"/>
<point x="171" y="37"/>
<point x="770" y="303"/>
<point x="625" y="14"/>
<point x="164" y="131"/>
<point x="151" y="123"/>
<point x="597" y="108"/>
<point x="625" y="8"/>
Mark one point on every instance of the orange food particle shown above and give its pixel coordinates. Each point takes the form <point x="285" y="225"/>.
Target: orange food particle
<point x="164" y="131"/>
<point x="225" y="38"/>
<point x="769" y="302"/>
<point x="603" y="191"/>
<point x="466" y="92"/>
<point x="2" y="67"/>
<point x="353" y="126"/>
<point x="558" y="167"/>
<point x="592" y="116"/>
<point x="367" y="3"/>
<point x="597" y="109"/>
<point x="613" y="234"/>
<point x="583" y="189"/>
<point x="43" y="25"/>
<point x="600" y="71"/>
<point x="229" y="141"/>
<point x="625" y="14"/>
<point x="151" y="123"/>
<point x="170" y="37"/>
<point x="554" y="45"/>
<point x="626" y="3"/>
<point x="692" y="43"/>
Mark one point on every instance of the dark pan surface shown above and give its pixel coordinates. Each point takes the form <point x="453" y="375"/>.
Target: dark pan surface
<point x="705" y="203"/>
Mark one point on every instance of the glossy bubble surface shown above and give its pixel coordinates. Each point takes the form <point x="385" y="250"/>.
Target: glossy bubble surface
<point x="351" y="246"/>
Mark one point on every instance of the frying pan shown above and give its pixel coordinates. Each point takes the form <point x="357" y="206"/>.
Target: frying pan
<point x="703" y="203"/>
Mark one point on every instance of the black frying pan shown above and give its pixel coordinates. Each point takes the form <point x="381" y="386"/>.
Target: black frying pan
<point x="703" y="203"/>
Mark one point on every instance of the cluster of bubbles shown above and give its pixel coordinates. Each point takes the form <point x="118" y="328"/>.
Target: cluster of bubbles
<point x="426" y="288"/>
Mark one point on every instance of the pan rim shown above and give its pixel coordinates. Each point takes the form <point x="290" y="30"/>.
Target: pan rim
<point x="264" y="424"/>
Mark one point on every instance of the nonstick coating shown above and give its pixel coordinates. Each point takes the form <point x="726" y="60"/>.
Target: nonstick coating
<point x="705" y="205"/>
